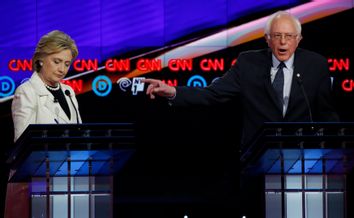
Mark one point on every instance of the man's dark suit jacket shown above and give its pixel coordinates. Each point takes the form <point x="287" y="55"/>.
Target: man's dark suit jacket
<point x="250" y="79"/>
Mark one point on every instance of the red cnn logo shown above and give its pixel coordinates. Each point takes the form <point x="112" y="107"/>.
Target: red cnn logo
<point x="77" y="85"/>
<point x="113" y="65"/>
<point x="180" y="64"/>
<point x="149" y="65"/>
<point x="82" y="65"/>
<point x="170" y="82"/>
<point x="210" y="64"/>
<point x="338" y="64"/>
<point x="347" y="85"/>
<point x="16" y="65"/>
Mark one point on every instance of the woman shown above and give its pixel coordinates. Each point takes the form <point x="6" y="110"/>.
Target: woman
<point x="43" y="99"/>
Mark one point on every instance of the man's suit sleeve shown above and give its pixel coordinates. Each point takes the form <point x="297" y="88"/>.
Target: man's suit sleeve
<point x="221" y="90"/>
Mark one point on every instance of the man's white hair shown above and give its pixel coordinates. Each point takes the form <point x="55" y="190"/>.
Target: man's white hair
<point x="281" y="14"/>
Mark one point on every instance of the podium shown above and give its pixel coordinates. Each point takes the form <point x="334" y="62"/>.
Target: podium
<point x="70" y="167"/>
<point x="305" y="168"/>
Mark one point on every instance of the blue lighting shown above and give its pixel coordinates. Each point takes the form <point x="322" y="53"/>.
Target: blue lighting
<point x="104" y="29"/>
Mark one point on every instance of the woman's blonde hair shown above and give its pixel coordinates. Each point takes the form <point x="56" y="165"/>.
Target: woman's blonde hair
<point x="51" y="43"/>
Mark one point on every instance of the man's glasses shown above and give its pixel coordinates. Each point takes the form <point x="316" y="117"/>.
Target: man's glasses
<point x="286" y="36"/>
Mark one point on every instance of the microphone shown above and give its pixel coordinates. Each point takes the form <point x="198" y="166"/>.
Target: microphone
<point x="57" y="111"/>
<point x="55" y="100"/>
<point x="299" y="80"/>
<point x="67" y="93"/>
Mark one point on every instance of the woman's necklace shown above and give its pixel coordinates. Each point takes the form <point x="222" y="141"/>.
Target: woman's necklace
<point x="53" y="88"/>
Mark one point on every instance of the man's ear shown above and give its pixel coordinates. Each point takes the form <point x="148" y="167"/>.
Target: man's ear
<point x="267" y="38"/>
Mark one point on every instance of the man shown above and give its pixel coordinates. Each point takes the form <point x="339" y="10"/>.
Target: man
<point x="281" y="84"/>
<point x="303" y="94"/>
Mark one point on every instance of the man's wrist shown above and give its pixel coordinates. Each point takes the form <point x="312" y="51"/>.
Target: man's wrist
<point x="172" y="97"/>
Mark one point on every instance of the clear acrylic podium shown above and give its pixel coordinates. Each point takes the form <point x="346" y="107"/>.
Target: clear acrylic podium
<point x="70" y="167"/>
<point x="305" y="168"/>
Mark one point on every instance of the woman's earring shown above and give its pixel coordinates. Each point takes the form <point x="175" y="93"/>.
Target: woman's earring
<point x="41" y="63"/>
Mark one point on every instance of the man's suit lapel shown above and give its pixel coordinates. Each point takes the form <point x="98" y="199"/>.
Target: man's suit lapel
<point x="295" y="90"/>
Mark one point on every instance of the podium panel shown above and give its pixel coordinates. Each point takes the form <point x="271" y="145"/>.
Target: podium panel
<point x="69" y="168"/>
<point x="304" y="167"/>
<point x="325" y="147"/>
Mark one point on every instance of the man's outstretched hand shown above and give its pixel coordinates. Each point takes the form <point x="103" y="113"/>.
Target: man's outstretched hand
<point x="159" y="88"/>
